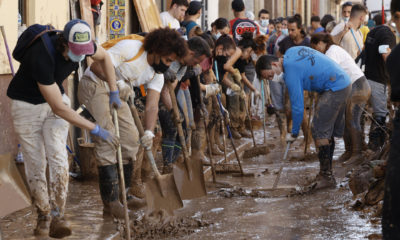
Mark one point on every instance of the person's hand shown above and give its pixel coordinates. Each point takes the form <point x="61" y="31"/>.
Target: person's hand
<point x="197" y="70"/>
<point x="290" y="138"/>
<point x="169" y="75"/>
<point x="235" y="87"/>
<point x="257" y="94"/>
<point x="125" y="91"/>
<point x="147" y="139"/>
<point x="105" y="135"/>
<point x="348" y="26"/>
<point x="242" y="94"/>
<point x="115" y="102"/>
<point x="212" y="89"/>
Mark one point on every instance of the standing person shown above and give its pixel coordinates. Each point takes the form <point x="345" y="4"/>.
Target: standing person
<point x="274" y="37"/>
<point x="263" y="21"/>
<point x="41" y="112"/>
<point x="307" y="69"/>
<point x="240" y="24"/>
<point x="326" y="19"/>
<point x="378" y="45"/>
<point x="297" y="36"/>
<point x="175" y="14"/>
<point x="360" y="93"/>
<point x="193" y="13"/>
<point x="391" y="208"/>
<point x="316" y="25"/>
<point x="348" y="35"/>
<point x="219" y="28"/>
<point x="137" y="61"/>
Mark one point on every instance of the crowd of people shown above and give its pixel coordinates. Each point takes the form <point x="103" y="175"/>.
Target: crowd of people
<point x="219" y="76"/>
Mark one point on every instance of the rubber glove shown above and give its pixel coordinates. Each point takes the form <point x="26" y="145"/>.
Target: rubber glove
<point x="114" y="99"/>
<point x="147" y="139"/>
<point x="105" y="135"/>
<point x="235" y="87"/>
<point x="125" y="91"/>
<point x="212" y="89"/>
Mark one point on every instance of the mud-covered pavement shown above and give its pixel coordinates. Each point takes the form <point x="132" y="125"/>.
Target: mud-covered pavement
<point x="232" y="213"/>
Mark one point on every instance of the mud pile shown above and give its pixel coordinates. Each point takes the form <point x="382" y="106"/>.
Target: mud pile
<point x="256" y="193"/>
<point x="160" y="227"/>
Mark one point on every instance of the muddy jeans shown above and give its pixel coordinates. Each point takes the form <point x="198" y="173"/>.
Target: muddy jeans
<point x="43" y="135"/>
<point x="96" y="98"/>
<point x="378" y="99"/>
<point x="328" y="121"/>
<point x="236" y="109"/>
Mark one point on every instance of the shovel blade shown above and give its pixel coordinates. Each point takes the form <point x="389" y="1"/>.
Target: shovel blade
<point x="167" y="199"/>
<point x="194" y="187"/>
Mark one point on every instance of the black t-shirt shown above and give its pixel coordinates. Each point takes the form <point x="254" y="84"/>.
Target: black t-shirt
<point x="242" y="25"/>
<point x="392" y="64"/>
<point x="37" y="66"/>
<point x="287" y="43"/>
<point x="240" y="64"/>
<point x="375" y="67"/>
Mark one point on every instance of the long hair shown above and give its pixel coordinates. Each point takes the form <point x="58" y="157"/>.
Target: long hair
<point x="324" y="37"/>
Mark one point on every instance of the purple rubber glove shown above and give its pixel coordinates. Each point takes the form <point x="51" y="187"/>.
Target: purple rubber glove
<point x="105" y="135"/>
<point x="115" y="101"/>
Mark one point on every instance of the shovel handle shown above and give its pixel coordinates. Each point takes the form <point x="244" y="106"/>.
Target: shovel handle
<point x="139" y="126"/>
<point x="263" y="107"/>
<point x="180" y="130"/>
<point x="278" y="176"/>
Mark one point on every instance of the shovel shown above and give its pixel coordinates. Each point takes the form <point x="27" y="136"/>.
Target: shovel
<point x="161" y="192"/>
<point x="255" y="150"/>
<point x="189" y="176"/>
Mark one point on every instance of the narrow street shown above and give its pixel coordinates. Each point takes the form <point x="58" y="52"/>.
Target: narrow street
<point x="232" y="213"/>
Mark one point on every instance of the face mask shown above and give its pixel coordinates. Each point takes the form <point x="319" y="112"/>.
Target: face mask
<point x="217" y="35"/>
<point x="285" y="31"/>
<point x="264" y="22"/>
<point x="346" y="19"/>
<point x="75" y="58"/>
<point x="161" y="67"/>
<point x="221" y="59"/>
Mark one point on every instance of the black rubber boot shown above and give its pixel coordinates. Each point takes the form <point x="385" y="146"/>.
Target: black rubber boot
<point x="325" y="177"/>
<point x="109" y="190"/>
<point x="377" y="133"/>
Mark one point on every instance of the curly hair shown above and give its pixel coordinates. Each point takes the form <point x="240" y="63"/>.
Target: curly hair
<point x="260" y="44"/>
<point x="164" y="42"/>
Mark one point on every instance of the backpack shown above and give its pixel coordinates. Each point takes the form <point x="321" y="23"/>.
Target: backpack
<point x="30" y="35"/>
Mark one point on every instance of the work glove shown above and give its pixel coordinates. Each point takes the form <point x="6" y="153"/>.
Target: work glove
<point x="237" y="77"/>
<point x="212" y="89"/>
<point x="197" y="70"/>
<point x="115" y="102"/>
<point x="235" y="87"/>
<point x="147" y="139"/>
<point x="169" y="75"/>
<point x="290" y="138"/>
<point x="105" y="135"/>
<point x="125" y="91"/>
<point x="242" y="95"/>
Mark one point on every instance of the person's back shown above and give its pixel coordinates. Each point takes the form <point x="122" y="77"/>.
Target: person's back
<point x="240" y="24"/>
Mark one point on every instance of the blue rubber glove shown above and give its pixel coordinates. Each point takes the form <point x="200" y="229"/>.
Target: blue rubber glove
<point x="115" y="101"/>
<point x="105" y="135"/>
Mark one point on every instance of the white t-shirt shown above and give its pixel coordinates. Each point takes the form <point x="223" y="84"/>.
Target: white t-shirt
<point x="137" y="72"/>
<point x="341" y="57"/>
<point x="169" y="21"/>
<point x="349" y="42"/>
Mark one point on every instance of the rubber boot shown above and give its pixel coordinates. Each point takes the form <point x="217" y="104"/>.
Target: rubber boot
<point x="43" y="226"/>
<point x="198" y="143"/>
<point x="325" y="178"/>
<point x="281" y="119"/>
<point x="356" y="156"/>
<point x="377" y="133"/>
<point x="59" y="227"/>
<point x="347" y="145"/>
<point x="235" y="133"/>
<point x="137" y="187"/>
<point x="109" y="191"/>
<point x="132" y="201"/>
<point x="217" y="140"/>
<point x="213" y="143"/>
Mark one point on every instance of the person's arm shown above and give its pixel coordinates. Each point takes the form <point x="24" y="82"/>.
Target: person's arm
<point x="53" y="97"/>
<point x="151" y="110"/>
<point x="337" y="37"/>
<point x="247" y="82"/>
<point x="228" y="66"/>
<point x="296" y="101"/>
<point x="102" y="62"/>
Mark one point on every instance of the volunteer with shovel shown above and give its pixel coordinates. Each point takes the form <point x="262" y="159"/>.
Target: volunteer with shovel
<point x="308" y="69"/>
<point x="41" y="113"/>
<point x="137" y="62"/>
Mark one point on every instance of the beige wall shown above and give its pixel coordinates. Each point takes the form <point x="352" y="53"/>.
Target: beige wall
<point x="8" y="19"/>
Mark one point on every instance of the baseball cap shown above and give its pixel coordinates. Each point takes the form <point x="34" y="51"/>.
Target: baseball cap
<point x="79" y="37"/>
<point x="194" y="7"/>
<point x="238" y="5"/>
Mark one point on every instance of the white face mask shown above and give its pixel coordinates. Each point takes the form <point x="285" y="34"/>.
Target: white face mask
<point x="264" y="22"/>
<point x="285" y="31"/>
<point x="346" y="19"/>
<point x="217" y="35"/>
<point x="75" y="58"/>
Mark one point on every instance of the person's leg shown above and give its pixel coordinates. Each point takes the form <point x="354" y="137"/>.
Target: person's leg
<point x="95" y="97"/>
<point x="242" y="118"/>
<point x="233" y="105"/>
<point x="391" y="207"/>
<point x="55" y="133"/>
<point x="377" y="133"/>
<point x="169" y="133"/>
<point x="191" y="126"/>
<point x="28" y="122"/>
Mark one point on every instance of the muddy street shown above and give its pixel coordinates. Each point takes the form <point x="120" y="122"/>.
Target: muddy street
<point x="241" y="212"/>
